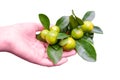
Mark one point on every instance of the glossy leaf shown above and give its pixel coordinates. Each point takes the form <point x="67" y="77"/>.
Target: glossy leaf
<point x="56" y="47"/>
<point x="63" y="42"/>
<point x="80" y="22"/>
<point x="73" y="13"/>
<point x="86" y="50"/>
<point x="63" y="22"/>
<point x="89" y="35"/>
<point x="73" y="22"/>
<point x="97" y="29"/>
<point x="44" y="20"/>
<point x="89" y="16"/>
<point x="62" y="36"/>
<point x="39" y="37"/>
<point x="54" y="53"/>
<point x="88" y="39"/>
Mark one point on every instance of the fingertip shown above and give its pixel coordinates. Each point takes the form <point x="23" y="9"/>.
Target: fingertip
<point x="69" y="53"/>
<point x="62" y="61"/>
<point x="48" y="63"/>
<point x="39" y="27"/>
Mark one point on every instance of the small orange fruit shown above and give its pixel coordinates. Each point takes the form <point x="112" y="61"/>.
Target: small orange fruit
<point x="55" y="28"/>
<point x="51" y="37"/>
<point x="68" y="43"/>
<point x="87" y="26"/>
<point x="43" y="34"/>
<point x="77" y="33"/>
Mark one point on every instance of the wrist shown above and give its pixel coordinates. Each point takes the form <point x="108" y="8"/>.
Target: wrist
<point x="4" y="40"/>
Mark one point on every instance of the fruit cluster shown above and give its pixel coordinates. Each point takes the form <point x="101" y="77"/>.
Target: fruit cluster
<point x="50" y="36"/>
<point x="70" y="32"/>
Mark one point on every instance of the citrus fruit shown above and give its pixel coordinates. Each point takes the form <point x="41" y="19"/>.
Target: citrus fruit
<point x="44" y="33"/>
<point x="51" y="37"/>
<point x="87" y="26"/>
<point x="55" y="28"/>
<point x="77" y="33"/>
<point x="68" y="43"/>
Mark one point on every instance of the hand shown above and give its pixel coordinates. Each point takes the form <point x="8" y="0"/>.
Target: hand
<point x="23" y="43"/>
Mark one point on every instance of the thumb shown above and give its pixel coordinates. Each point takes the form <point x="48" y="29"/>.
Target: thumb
<point x="39" y="27"/>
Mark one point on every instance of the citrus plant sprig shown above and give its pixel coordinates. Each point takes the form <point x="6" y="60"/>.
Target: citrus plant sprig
<point x="70" y="32"/>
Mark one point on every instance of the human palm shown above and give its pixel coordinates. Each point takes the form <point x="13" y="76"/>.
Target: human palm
<point x="26" y="46"/>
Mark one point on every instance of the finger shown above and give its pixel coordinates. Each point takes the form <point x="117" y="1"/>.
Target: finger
<point x="48" y="63"/>
<point x="45" y="44"/>
<point x="68" y="53"/>
<point x="38" y="27"/>
<point x="46" y="55"/>
<point x="62" y="61"/>
<point x="65" y="53"/>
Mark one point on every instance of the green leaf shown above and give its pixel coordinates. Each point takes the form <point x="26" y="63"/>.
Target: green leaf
<point x="97" y="29"/>
<point x="44" y="20"/>
<point x="88" y="39"/>
<point x="63" y="22"/>
<point x="80" y="22"/>
<point x="54" y="54"/>
<point x="89" y="35"/>
<point x="73" y="22"/>
<point x="86" y="50"/>
<point x="39" y="37"/>
<point x="89" y="16"/>
<point x="62" y="36"/>
<point x="73" y="13"/>
<point x="56" y="47"/>
<point x="63" y="42"/>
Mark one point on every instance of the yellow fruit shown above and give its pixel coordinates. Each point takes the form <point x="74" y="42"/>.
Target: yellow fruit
<point x="77" y="33"/>
<point x="68" y="43"/>
<point x="87" y="26"/>
<point x="43" y="34"/>
<point x="51" y="37"/>
<point x="55" y="28"/>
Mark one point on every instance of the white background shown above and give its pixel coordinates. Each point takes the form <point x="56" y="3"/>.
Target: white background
<point x="107" y="45"/>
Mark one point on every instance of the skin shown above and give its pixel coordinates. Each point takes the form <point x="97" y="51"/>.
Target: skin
<point x="20" y="40"/>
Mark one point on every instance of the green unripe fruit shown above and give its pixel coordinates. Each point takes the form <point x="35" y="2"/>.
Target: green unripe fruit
<point x="68" y="43"/>
<point x="43" y="34"/>
<point x="55" y="28"/>
<point x="51" y="37"/>
<point x="77" y="33"/>
<point x="87" y="26"/>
